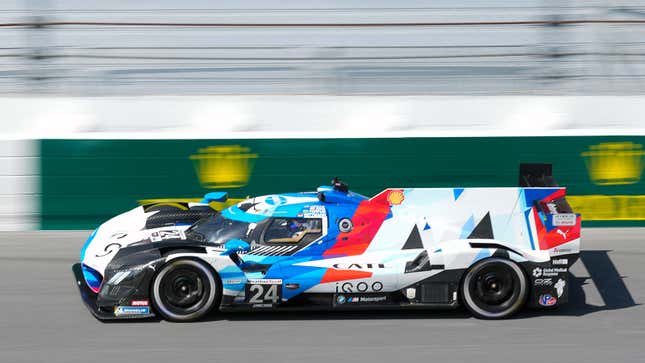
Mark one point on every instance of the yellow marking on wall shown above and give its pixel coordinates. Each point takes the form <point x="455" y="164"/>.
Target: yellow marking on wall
<point x="228" y="166"/>
<point x="615" y="163"/>
<point x="609" y="207"/>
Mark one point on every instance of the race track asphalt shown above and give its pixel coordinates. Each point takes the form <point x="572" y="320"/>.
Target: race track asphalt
<point x="42" y="319"/>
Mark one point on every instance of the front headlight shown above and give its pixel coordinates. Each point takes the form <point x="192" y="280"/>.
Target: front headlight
<point x="124" y="275"/>
<point x="122" y="283"/>
<point x="87" y="244"/>
<point x="120" y="276"/>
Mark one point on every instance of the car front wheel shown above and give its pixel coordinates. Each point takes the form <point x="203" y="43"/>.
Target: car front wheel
<point x="185" y="290"/>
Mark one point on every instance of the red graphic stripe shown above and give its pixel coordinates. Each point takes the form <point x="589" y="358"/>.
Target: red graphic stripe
<point x="558" y="194"/>
<point x="333" y="275"/>
<point x="367" y="220"/>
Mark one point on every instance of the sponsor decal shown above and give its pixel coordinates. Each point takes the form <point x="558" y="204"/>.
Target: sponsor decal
<point x="411" y="293"/>
<point x="561" y="233"/>
<point x="341" y="299"/>
<point x="547" y="300"/>
<point x="559" y="287"/>
<point x="265" y="281"/>
<point x="395" y="197"/>
<point x="358" y="266"/>
<point x="158" y="236"/>
<point x="232" y="281"/>
<point x="543" y="282"/>
<point x="262" y="305"/>
<point x="131" y="310"/>
<point x="560" y="261"/>
<point x="564" y="219"/>
<point x="548" y="271"/>
<point x="275" y="200"/>
<point x="562" y="250"/>
<point x="366" y="299"/>
<point x="314" y="211"/>
<point x="553" y="209"/>
<point x="139" y="303"/>
<point x="348" y="287"/>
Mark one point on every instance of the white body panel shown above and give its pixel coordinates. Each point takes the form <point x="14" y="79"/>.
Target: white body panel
<point x="121" y="231"/>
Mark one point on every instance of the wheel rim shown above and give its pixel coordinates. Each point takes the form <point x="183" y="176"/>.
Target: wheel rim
<point x="184" y="290"/>
<point x="495" y="288"/>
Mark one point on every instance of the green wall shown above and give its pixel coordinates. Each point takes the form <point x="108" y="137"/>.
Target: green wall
<point x="85" y="182"/>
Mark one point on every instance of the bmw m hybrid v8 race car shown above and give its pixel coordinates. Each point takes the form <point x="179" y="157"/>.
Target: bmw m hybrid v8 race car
<point x="494" y="250"/>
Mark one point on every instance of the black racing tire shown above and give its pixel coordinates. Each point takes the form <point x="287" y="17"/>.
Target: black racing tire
<point x="185" y="290"/>
<point x="494" y="288"/>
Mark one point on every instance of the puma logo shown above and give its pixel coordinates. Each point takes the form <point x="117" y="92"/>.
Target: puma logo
<point x="564" y="234"/>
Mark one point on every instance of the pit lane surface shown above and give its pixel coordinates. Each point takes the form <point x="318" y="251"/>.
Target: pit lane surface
<point x="42" y="319"/>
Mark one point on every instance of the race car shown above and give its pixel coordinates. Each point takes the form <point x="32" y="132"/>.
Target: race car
<point x="493" y="250"/>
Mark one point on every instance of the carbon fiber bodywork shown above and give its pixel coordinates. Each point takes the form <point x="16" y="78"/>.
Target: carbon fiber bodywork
<point x="91" y="300"/>
<point x="141" y="261"/>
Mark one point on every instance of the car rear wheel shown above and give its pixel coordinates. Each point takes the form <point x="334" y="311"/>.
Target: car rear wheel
<point x="185" y="290"/>
<point x="494" y="288"/>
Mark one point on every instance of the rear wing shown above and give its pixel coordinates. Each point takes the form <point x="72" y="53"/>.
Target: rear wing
<point x="536" y="175"/>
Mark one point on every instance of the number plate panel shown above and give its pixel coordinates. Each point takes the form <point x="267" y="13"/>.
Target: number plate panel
<point x="263" y="292"/>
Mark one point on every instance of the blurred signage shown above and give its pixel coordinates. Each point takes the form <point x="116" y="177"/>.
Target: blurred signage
<point x="612" y="164"/>
<point x="609" y="207"/>
<point x="224" y="166"/>
<point x="615" y="163"/>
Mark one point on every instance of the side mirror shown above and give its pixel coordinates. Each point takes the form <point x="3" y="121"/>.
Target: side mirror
<point x="215" y="197"/>
<point x="236" y="245"/>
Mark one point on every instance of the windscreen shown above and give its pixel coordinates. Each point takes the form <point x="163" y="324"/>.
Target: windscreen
<point x="218" y="230"/>
<point x="293" y="230"/>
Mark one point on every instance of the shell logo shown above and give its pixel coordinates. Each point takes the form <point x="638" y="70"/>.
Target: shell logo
<point x="395" y="197"/>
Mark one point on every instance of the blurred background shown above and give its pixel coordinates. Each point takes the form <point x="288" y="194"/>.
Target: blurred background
<point x="73" y="58"/>
<point x="252" y="47"/>
<point x="94" y="74"/>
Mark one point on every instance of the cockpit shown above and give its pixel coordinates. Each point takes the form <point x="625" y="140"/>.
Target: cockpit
<point x="279" y="231"/>
<point x="282" y="231"/>
<point x="218" y="230"/>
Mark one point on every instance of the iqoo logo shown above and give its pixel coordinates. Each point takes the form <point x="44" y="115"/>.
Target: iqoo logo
<point x="348" y="287"/>
<point x="358" y="266"/>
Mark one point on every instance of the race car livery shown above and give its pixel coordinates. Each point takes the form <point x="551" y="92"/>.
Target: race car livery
<point x="493" y="250"/>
